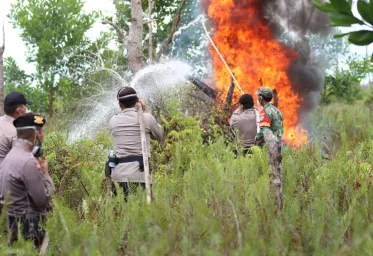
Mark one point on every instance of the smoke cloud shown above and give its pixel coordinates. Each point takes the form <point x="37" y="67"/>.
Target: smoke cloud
<point x="293" y="21"/>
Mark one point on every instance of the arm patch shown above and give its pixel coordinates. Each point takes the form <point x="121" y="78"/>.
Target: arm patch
<point x="37" y="165"/>
<point x="264" y="119"/>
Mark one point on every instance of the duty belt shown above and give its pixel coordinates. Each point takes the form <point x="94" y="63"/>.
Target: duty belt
<point x="130" y="159"/>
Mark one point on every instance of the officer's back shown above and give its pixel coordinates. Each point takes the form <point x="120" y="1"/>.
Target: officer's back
<point x="244" y="119"/>
<point x="125" y="129"/>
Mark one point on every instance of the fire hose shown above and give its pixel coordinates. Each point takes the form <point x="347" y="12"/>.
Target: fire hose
<point x="145" y="154"/>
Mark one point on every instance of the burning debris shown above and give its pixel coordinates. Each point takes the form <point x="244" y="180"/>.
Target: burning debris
<point x="247" y="40"/>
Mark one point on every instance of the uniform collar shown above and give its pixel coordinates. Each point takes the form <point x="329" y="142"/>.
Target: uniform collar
<point x="9" y="118"/>
<point x="267" y="105"/>
<point x="22" y="145"/>
<point x="129" y="110"/>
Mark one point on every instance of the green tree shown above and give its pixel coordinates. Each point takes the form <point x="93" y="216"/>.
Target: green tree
<point x="341" y="16"/>
<point x="16" y="80"/>
<point x="344" y="83"/>
<point x="54" y="32"/>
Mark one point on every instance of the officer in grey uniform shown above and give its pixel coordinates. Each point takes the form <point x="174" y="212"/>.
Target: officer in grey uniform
<point x="14" y="106"/>
<point x="25" y="184"/>
<point x="125" y="129"/>
<point x="245" y="121"/>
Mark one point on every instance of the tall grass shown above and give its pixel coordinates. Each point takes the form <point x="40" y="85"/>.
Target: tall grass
<point x="209" y="203"/>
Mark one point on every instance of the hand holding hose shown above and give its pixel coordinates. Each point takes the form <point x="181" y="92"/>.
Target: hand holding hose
<point x="142" y="104"/>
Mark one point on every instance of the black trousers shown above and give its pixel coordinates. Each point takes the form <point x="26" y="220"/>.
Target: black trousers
<point x="128" y="188"/>
<point x="30" y="228"/>
<point x="245" y="152"/>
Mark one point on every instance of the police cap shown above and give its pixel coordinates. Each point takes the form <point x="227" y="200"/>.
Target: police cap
<point x="29" y="120"/>
<point x="16" y="98"/>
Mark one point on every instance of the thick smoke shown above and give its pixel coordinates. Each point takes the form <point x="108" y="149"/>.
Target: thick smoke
<point x="293" y="21"/>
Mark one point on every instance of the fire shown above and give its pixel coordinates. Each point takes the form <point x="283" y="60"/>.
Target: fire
<point x="250" y="49"/>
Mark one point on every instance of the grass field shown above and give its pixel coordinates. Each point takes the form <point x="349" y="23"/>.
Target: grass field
<point x="209" y="203"/>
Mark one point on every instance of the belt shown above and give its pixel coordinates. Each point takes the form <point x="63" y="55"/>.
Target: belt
<point x="130" y="159"/>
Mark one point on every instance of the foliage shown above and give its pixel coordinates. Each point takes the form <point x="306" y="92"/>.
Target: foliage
<point x="54" y="32"/>
<point x="344" y="84"/>
<point x="327" y="49"/>
<point x="341" y="15"/>
<point x="16" y="80"/>
<point x="209" y="202"/>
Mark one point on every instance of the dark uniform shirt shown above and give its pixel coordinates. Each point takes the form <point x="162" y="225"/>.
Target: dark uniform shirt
<point x="23" y="185"/>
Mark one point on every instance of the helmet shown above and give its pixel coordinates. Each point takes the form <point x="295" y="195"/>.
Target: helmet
<point x="265" y="92"/>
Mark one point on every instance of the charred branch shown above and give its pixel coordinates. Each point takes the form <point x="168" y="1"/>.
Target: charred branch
<point x="275" y="98"/>
<point x="228" y="101"/>
<point x="204" y="87"/>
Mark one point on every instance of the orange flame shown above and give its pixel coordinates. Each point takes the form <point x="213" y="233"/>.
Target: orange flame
<point x="250" y="49"/>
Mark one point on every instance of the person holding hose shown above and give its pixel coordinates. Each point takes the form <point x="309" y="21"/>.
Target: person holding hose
<point x="125" y="129"/>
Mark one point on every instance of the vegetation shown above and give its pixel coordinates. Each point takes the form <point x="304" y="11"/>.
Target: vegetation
<point x="208" y="202"/>
<point x="343" y="84"/>
<point x="341" y="15"/>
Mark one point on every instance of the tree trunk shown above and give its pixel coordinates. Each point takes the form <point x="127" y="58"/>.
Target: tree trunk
<point x="51" y="100"/>
<point x="275" y="160"/>
<point x="150" y="24"/>
<point x="2" y="49"/>
<point x="134" y="46"/>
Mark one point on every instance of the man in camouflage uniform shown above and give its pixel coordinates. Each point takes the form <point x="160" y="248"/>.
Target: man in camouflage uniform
<point x="270" y="117"/>
<point x="271" y="131"/>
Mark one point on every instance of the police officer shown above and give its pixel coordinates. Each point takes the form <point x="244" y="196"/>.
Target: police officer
<point x="14" y="106"/>
<point x="244" y="119"/>
<point x="125" y="129"/>
<point x="271" y="118"/>
<point x="25" y="184"/>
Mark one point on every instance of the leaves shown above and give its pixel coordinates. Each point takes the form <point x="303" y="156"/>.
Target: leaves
<point x="365" y="10"/>
<point x="341" y="6"/>
<point x="344" y="20"/>
<point x="341" y="15"/>
<point x="362" y="37"/>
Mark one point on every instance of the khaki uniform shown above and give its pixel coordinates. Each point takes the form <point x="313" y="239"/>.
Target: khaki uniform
<point x="125" y="129"/>
<point x="21" y="179"/>
<point x="8" y="133"/>
<point x="246" y="124"/>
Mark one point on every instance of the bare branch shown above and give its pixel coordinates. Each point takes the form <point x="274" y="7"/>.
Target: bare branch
<point x="150" y="46"/>
<point x="149" y="21"/>
<point x="175" y="24"/>
<point x="120" y="32"/>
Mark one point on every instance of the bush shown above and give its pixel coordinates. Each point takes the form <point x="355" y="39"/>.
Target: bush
<point x="210" y="203"/>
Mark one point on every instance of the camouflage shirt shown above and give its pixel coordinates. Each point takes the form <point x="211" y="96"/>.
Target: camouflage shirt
<point x="271" y="118"/>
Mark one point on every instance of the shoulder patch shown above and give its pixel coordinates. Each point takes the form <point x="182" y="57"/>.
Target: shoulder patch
<point x="264" y="119"/>
<point x="37" y="165"/>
